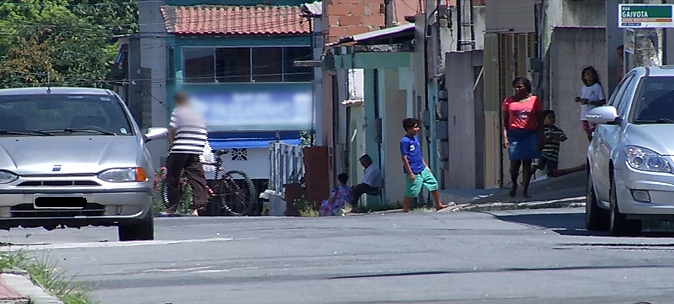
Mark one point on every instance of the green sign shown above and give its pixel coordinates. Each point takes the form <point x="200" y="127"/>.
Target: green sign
<point x="645" y="15"/>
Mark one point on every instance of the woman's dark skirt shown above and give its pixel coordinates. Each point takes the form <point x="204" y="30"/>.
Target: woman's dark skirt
<point x="523" y="144"/>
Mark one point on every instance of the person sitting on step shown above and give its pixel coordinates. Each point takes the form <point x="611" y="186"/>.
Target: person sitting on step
<point x="370" y="184"/>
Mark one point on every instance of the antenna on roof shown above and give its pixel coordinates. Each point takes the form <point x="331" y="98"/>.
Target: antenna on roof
<point x="48" y="82"/>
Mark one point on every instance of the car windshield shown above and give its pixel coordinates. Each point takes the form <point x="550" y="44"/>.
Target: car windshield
<point x="655" y="102"/>
<point x="62" y="115"/>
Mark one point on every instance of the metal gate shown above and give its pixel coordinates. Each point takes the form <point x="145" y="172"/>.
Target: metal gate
<point x="286" y="166"/>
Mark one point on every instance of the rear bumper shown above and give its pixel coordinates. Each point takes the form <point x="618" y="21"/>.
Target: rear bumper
<point x="104" y="208"/>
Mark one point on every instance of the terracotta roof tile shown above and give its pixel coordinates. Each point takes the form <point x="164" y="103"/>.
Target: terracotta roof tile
<point x="234" y="20"/>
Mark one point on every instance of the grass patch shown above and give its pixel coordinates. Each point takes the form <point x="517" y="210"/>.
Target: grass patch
<point x="304" y="208"/>
<point x="47" y="275"/>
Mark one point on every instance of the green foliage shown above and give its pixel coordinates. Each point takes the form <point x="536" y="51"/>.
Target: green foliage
<point x="185" y="198"/>
<point x="306" y="137"/>
<point x="305" y="208"/>
<point x="61" y="42"/>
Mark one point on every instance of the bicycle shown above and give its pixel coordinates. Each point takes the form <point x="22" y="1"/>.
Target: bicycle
<point x="237" y="196"/>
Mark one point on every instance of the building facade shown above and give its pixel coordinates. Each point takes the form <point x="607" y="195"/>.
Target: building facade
<point x="236" y="60"/>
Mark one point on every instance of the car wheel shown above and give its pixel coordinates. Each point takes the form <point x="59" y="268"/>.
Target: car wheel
<point x="141" y="231"/>
<point x="596" y="218"/>
<point x="619" y="224"/>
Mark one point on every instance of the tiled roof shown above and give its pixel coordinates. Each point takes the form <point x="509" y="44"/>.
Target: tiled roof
<point x="234" y="20"/>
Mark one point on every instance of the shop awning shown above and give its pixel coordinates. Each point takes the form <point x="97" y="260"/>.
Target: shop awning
<point x="251" y="140"/>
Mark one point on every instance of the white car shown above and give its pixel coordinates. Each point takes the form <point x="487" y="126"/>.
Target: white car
<point x="631" y="156"/>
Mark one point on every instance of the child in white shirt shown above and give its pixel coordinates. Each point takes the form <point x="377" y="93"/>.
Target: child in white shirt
<point x="591" y="96"/>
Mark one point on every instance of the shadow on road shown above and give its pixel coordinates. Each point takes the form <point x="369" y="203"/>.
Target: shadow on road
<point x="567" y="224"/>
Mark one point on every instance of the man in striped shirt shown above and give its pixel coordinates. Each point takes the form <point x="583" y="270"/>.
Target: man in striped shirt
<point x="187" y="138"/>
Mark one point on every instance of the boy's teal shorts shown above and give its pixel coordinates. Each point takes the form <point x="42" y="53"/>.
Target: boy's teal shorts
<point x="424" y="178"/>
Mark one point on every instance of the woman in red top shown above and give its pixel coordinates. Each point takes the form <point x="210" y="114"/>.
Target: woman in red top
<point x="522" y="132"/>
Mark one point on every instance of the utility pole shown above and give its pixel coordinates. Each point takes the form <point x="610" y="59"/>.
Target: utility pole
<point x="465" y="25"/>
<point x="388" y="13"/>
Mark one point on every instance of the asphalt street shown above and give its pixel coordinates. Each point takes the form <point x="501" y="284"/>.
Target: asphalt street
<point x="541" y="256"/>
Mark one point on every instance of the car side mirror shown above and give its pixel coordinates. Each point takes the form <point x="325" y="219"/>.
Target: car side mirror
<point x="603" y="115"/>
<point x="155" y="133"/>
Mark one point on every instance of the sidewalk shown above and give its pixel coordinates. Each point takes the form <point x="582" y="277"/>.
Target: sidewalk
<point x="9" y="295"/>
<point x="560" y="192"/>
<point x="17" y="288"/>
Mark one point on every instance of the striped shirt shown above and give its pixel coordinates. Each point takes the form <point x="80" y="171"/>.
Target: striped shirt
<point x="553" y="137"/>
<point x="190" y="131"/>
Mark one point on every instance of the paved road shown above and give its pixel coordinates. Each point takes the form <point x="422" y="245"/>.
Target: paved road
<point x="520" y="257"/>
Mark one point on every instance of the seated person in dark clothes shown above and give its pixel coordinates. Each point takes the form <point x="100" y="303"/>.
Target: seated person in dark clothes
<point x="371" y="181"/>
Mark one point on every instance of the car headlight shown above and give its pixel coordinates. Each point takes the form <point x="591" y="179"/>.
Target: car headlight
<point x="7" y="177"/>
<point x="644" y="159"/>
<point x="123" y="175"/>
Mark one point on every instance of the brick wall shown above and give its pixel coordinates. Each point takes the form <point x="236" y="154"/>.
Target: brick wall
<point x="352" y="17"/>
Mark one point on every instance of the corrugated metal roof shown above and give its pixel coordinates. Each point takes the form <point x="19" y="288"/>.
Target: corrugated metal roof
<point x="234" y="20"/>
<point x="314" y="8"/>
<point x="375" y="34"/>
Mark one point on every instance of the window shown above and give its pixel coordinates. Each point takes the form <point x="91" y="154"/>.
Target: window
<point x="199" y="65"/>
<point x="246" y="64"/>
<point x="655" y="102"/>
<point x="268" y="64"/>
<point x="57" y="112"/>
<point x="626" y="99"/>
<point x="296" y="74"/>
<point x="170" y="76"/>
<point x="619" y="91"/>
<point x="233" y="64"/>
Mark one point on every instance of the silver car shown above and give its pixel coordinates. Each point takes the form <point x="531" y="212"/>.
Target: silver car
<point x="631" y="156"/>
<point x="74" y="157"/>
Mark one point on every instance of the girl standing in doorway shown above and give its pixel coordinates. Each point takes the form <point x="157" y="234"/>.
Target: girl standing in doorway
<point x="591" y="96"/>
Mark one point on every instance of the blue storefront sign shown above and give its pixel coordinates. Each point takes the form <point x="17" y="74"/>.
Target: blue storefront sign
<point x="251" y="108"/>
<point x="252" y="115"/>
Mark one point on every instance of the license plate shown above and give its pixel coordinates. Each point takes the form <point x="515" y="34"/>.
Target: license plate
<point x="59" y="201"/>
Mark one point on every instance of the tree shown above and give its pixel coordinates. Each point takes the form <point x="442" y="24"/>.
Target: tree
<point x="118" y="16"/>
<point x="65" y="43"/>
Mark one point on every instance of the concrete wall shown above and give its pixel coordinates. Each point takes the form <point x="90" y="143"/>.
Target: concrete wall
<point x="516" y="16"/>
<point x="570" y="51"/>
<point x="466" y="121"/>
<point x="394" y="111"/>
<point x="356" y="143"/>
<point x="567" y="13"/>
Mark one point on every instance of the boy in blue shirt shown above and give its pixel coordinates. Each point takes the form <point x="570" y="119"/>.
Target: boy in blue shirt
<point x="415" y="168"/>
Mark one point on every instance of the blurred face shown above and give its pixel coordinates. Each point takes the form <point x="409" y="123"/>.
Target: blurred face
<point x="588" y="76"/>
<point x="413" y="130"/>
<point x="549" y="120"/>
<point x="180" y="99"/>
<point x="365" y="163"/>
<point x="520" y="89"/>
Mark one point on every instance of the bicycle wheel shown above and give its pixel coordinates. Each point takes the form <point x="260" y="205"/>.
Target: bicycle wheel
<point x="237" y="194"/>
<point x="164" y="193"/>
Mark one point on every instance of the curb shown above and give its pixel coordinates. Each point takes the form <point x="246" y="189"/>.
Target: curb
<point x="20" y="281"/>
<point x="502" y="206"/>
